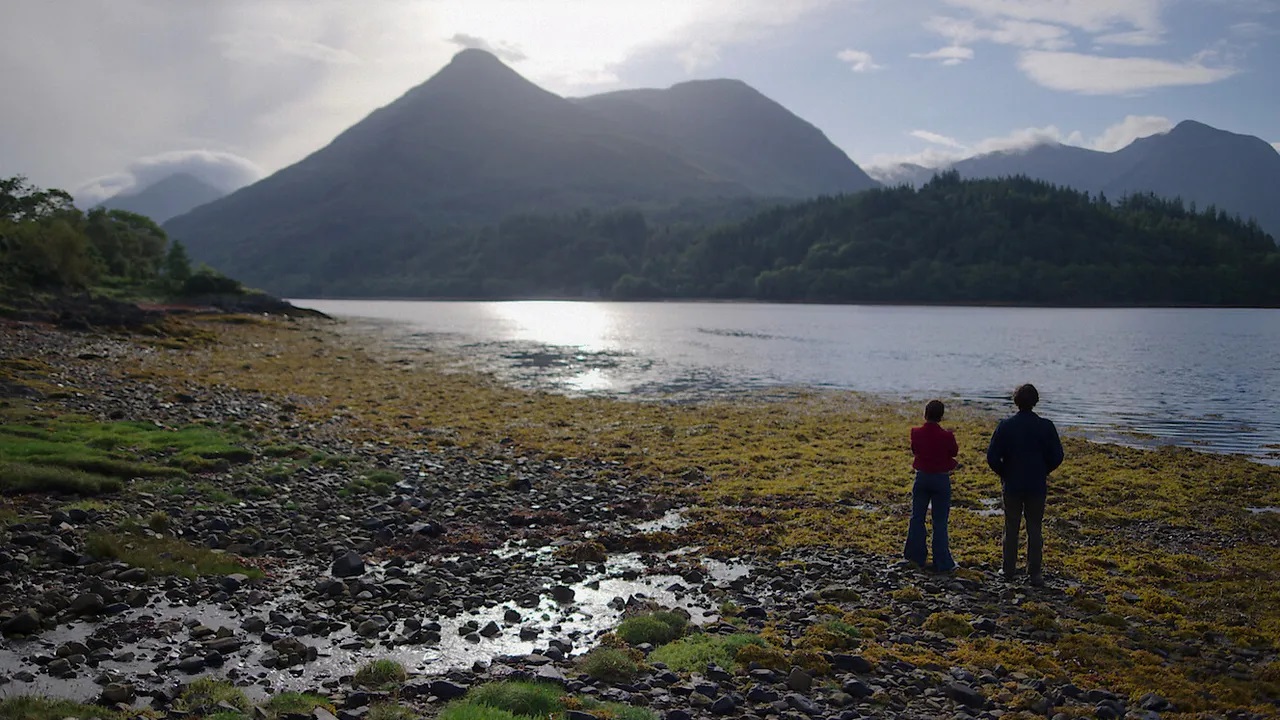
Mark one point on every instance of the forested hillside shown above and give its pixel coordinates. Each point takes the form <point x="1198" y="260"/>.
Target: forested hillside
<point x="1015" y="240"/>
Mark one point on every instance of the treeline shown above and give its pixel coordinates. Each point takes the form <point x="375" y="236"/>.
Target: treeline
<point x="1012" y="240"/>
<point x="48" y="245"/>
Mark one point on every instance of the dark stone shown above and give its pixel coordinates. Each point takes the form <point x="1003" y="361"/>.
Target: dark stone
<point x="851" y="663"/>
<point x="87" y="604"/>
<point x="965" y="695"/>
<point x="24" y="623"/>
<point x="349" y="565"/>
<point x="447" y="690"/>
<point x="858" y="689"/>
<point x="562" y="594"/>
<point x="801" y="703"/>
<point x="724" y="705"/>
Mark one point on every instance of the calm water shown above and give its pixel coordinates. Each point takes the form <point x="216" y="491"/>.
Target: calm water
<point x="1208" y="378"/>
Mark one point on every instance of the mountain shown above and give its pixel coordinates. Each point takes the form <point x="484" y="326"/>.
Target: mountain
<point x="168" y="197"/>
<point x="1198" y="163"/>
<point x="732" y="131"/>
<point x="477" y="143"/>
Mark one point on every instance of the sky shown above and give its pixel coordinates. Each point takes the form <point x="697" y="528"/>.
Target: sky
<point x="105" y="96"/>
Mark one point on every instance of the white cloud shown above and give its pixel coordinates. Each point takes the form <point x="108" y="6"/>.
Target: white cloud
<point x="1018" y="33"/>
<point x="886" y="167"/>
<point x="859" y="60"/>
<point x="506" y="53"/>
<point x="1092" y="16"/>
<point x="1099" y="75"/>
<point x="224" y="171"/>
<point x="1276" y="145"/>
<point x="949" y="55"/>
<point x="936" y="138"/>
<point x="1131" y="38"/>
<point x="1130" y="129"/>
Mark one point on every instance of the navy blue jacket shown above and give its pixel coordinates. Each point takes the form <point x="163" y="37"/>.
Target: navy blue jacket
<point x="1024" y="449"/>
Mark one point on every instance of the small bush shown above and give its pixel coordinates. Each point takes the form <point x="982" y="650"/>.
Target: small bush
<point x="520" y="698"/>
<point x="609" y="664"/>
<point x="158" y="521"/>
<point x="203" y="695"/>
<point x="381" y="675"/>
<point x="655" y="629"/>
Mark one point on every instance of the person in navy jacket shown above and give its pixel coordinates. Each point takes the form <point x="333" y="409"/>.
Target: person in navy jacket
<point x="935" y="452"/>
<point x="1024" y="449"/>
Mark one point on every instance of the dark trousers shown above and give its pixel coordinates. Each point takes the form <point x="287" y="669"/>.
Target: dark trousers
<point x="930" y="489"/>
<point x="1017" y="505"/>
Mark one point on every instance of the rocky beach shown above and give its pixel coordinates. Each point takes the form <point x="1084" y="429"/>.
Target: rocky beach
<point x="281" y="504"/>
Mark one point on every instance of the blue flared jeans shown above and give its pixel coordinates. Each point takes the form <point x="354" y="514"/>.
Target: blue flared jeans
<point x="930" y="489"/>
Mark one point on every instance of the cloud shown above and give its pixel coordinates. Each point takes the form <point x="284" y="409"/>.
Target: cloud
<point x="886" y="167"/>
<point x="859" y="61"/>
<point x="1099" y="75"/>
<point x="1018" y="33"/>
<point x="1276" y="145"/>
<point x="1131" y="38"/>
<point x="507" y="53"/>
<point x="223" y="170"/>
<point x="1091" y="16"/>
<point x="950" y="55"/>
<point x="1130" y="129"/>
<point x="936" y="138"/>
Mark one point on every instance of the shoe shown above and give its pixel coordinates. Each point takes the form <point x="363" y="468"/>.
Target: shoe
<point x="1009" y="575"/>
<point x="1037" y="580"/>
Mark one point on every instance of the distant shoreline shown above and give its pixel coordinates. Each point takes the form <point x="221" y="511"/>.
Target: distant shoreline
<point x="751" y="301"/>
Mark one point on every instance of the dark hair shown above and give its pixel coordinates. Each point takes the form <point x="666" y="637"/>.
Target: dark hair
<point x="933" y="410"/>
<point x="1026" y="396"/>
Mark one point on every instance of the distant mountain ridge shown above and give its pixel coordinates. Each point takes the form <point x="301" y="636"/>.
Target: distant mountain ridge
<point x="166" y="198"/>
<point x="477" y="142"/>
<point x="1239" y="174"/>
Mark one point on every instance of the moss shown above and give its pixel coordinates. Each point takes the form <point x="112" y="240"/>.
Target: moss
<point x="1169" y="522"/>
<point x="27" y="707"/>
<point x="164" y="555"/>
<point x="695" y="652"/>
<point x="949" y="624"/>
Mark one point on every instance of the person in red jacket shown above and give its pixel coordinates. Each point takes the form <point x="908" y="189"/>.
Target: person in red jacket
<point x="935" y="452"/>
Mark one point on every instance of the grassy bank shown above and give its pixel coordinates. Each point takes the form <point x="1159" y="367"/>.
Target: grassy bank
<point x="1174" y="579"/>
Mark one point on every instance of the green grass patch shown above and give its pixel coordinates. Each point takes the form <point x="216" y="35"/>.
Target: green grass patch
<point x="695" y="652"/>
<point x="468" y="711"/>
<point x="28" y="707"/>
<point x="24" y="477"/>
<point x="381" y="675"/>
<point x="164" y="555"/>
<point x="292" y="702"/>
<point x="373" y="484"/>
<point x="655" y="628"/>
<point x="616" y="711"/>
<point x="203" y="695"/>
<point x="520" y="698"/>
<point x="76" y="454"/>
<point x="609" y="664"/>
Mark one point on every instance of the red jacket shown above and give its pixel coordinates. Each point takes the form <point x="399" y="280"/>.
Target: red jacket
<point x="935" y="448"/>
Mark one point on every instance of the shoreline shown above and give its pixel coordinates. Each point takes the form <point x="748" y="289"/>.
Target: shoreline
<point x="811" y="484"/>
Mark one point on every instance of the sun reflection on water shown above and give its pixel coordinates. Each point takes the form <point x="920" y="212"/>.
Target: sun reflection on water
<point x="574" y="324"/>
